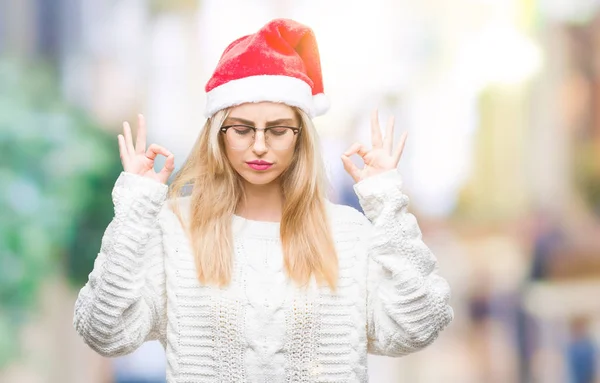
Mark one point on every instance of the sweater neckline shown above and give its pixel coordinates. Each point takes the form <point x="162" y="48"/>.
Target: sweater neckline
<point x="252" y="227"/>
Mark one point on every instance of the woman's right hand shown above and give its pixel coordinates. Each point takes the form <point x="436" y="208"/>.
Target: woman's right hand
<point x="138" y="160"/>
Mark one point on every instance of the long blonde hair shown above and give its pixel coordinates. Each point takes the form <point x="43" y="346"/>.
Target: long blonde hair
<point x="307" y="241"/>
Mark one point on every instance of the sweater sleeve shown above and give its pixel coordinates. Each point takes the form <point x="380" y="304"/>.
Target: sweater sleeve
<point x="407" y="301"/>
<point x="123" y="303"/>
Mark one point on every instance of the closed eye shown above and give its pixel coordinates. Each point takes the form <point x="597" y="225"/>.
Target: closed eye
<point x="242" y="129"/>
<point x="279" y="130"/>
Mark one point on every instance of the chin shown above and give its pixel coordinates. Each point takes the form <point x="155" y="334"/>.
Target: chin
<point x="259" y="178"/>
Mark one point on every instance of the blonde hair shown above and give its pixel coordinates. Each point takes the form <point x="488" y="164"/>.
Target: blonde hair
<point x="307" y="241"/>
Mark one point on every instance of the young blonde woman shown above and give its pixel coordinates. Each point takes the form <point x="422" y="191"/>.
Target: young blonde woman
<point x="241" y="268"/>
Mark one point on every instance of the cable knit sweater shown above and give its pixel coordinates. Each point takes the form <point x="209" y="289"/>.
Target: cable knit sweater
<point x="262" y="328"/>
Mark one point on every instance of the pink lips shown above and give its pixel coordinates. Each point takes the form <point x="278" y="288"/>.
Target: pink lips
<point x="259" y="165"/>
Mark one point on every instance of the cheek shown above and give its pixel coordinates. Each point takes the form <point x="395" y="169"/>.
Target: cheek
<point x="234" y="157"/>
<point x="236" y="160"/>
<point x="285" y="160"/>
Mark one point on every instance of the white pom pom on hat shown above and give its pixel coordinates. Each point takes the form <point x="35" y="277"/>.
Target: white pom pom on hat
<point x="279" y="63"/>
<point x="320" y="103"/>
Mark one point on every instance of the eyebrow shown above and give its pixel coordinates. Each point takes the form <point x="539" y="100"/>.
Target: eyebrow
<point x="281" y="121"/>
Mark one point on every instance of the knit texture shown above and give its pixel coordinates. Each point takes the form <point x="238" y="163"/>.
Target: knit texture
<point x="262" y="328"/>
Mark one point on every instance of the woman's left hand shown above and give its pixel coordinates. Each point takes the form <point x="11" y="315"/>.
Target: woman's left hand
<point x="381" y="157"/>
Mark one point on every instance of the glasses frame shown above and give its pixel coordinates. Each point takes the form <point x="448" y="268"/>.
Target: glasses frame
<point x="224" y="129"/>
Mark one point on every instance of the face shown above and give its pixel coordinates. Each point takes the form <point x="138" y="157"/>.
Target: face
<point x="260" y="161"/>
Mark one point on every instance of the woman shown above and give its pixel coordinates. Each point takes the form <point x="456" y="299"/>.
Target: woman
<point x="255" y="276"/>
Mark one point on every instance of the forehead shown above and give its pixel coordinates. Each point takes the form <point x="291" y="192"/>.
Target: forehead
<point x="263" y="111"/>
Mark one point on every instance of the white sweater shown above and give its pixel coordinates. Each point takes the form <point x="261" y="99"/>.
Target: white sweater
<point x="261" y="328"/>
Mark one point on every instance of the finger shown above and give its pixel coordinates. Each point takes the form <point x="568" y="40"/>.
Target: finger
<point x="166" y="171"/>
<point x="351" y="168"/>
<point x="128" y="139"/>
<point x="140" y="145"/>
<point x="375" y="130"/>
<point x="388" y="141"/>
<point x="400" y="148"/>
<point x="154" y="150"/>
<point x="123" y="151"/>
<point x="357" y="148"/>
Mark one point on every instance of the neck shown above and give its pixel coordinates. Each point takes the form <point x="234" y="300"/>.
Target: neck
<point x="262" y="202"/>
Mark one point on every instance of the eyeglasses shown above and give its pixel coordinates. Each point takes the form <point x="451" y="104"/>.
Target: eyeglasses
<point x="241" y="137"/>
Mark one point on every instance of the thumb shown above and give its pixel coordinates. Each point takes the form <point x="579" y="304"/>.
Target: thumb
<point x="166" y="171"/>
<point x="351" y="168"/>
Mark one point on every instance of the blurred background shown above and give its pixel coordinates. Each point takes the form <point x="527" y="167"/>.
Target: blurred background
<point x="501" y="99"/>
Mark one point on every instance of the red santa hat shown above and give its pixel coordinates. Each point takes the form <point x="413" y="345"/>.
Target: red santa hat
<point x="279" y="63"/>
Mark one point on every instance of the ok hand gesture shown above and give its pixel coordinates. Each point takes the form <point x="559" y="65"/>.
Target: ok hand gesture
<point x="381" y="157"/>
<point x="138" y="160"/>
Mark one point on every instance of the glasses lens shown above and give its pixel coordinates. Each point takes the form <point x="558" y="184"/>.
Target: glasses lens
<point x="240" y="137"/>
<point x="280" y="138"/>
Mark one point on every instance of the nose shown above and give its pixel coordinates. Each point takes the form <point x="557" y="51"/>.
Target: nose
<point x="260" y="146"/>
